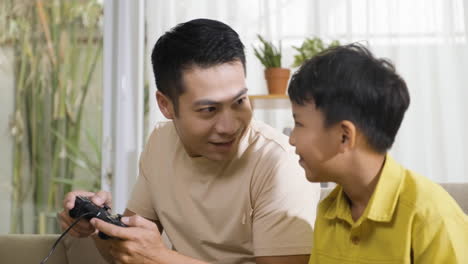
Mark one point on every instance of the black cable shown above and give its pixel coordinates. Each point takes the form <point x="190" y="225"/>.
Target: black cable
<point x="61" y="236"/>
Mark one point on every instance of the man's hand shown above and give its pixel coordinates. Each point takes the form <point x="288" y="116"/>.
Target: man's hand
<point x="140" y="242"/>
<point x="82" y="228"/>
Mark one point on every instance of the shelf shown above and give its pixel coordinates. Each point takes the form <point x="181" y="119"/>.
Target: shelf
<point x="270" y="101"/>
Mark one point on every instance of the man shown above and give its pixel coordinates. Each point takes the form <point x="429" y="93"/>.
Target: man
<point x="348" y="106"/>
<point x="224" y="188"/>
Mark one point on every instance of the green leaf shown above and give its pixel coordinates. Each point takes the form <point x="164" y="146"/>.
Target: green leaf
<point x="268" y="54"/>
<point x="309" y="48"/>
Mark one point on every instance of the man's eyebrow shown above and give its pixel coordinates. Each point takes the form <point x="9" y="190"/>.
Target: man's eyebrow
<point x="212" y="102"/>
<point x="239" y="94"/>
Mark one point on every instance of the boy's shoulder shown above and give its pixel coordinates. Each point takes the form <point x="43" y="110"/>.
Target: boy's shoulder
<point x="429" y="201"/>
<point x="414" y="195"/>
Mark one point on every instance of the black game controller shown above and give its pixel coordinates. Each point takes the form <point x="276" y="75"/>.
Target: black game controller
<point x="84" y="206"/>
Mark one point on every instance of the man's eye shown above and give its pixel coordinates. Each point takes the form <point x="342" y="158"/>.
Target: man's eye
<point x="240" y="101"/>
<point x="297" y="124"/>
<point x="208" y="109"/>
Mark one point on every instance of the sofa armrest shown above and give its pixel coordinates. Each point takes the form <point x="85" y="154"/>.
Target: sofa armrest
<point x="31" y="249"/>
<point x="82" y="250"/>
<point x="34" y="248"/>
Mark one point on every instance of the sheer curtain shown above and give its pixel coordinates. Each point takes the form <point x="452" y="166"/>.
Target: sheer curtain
<point x="426" y="39"/>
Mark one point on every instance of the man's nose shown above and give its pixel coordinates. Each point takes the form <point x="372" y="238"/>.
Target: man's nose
<point x="227" y="124"/>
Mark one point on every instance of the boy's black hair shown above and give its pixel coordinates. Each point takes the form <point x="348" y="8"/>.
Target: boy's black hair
<point x="349" y="83"/>
<point x="199" y="42"/>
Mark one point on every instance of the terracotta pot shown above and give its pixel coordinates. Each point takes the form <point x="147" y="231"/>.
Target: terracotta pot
<point x="277" y="80"/>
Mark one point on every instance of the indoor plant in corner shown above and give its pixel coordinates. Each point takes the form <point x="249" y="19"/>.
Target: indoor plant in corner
<point x="276" y="76"/>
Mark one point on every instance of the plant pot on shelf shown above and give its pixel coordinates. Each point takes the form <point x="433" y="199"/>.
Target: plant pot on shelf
<point x="277" y="80"/>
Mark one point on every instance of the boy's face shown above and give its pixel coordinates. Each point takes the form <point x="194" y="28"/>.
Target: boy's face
<point x="316" y="145"/>
<point x="214" y="110"/>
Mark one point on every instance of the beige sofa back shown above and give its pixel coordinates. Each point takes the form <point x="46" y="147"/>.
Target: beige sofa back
<point x="459" y="192"/>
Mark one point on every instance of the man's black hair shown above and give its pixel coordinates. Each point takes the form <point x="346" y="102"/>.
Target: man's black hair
<point x="349" y="83"/>
<point x="199" y="42"/>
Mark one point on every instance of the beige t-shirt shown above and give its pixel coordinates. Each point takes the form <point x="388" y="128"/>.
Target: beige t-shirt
<point x="257" y="204"/>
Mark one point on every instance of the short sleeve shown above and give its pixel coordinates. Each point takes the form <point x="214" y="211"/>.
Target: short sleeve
<point x="284" y="207"/>
<point x="140" y="201"/>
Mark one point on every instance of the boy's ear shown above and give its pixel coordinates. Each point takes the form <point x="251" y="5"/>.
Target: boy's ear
<point x="165" y="105"/>
<point x="348" y="135"/>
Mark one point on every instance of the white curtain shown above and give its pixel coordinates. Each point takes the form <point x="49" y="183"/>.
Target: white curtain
<point x="426" y="40"/>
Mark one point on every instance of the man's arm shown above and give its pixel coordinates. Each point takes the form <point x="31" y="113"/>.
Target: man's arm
<point x="140" y="242"/>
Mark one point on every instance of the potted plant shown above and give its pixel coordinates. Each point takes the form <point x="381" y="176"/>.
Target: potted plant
<point x="276" y="76"/>
<point x="309" y="48"/>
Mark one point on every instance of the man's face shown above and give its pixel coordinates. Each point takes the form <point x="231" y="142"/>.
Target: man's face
<point x="214" y="110"/>
<point x="316" y="145"/>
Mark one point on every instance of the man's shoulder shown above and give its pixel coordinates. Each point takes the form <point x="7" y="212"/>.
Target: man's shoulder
<point x="271" y="154"/>
<point x="268" y="138"/>
<point x="163" y="137"/>
<point x="162" y="131"/>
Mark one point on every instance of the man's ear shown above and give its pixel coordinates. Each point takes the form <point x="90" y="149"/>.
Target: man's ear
<point x="165" y="105"/>
<point x="348" y="135"/>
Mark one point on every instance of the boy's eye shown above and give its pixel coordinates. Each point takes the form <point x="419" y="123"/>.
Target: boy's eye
<point x="297" y="124"/>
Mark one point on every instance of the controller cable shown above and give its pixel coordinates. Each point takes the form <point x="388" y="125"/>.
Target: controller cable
<point x="61" y="236"/>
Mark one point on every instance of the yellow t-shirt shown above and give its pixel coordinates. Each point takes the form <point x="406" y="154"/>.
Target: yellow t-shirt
<point x="409" y="219"/>
<point x="257" y="204"/>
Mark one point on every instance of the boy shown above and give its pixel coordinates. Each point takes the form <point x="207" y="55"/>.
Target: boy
<point x="348" y="106"/>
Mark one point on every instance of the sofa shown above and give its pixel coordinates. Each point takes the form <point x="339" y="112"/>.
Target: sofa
<point x="25" y="249"/>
